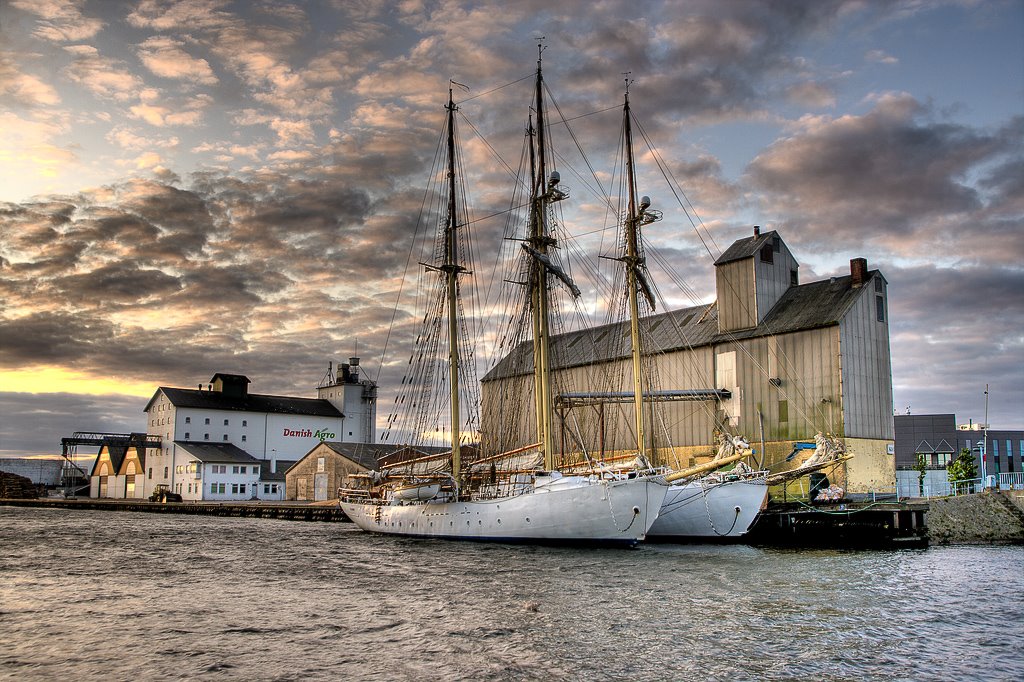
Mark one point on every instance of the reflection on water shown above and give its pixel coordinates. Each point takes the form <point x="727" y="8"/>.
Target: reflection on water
<point x="90" y="595"/>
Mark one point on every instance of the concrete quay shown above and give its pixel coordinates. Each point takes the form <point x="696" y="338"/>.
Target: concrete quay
<point x="258" y="510"/>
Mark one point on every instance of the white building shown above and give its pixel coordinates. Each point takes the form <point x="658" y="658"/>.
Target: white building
<point x="219" y="471"/>
<point x="263" y="428"/>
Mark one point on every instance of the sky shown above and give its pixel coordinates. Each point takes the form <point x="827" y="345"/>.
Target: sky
<point x="200" y="186"/>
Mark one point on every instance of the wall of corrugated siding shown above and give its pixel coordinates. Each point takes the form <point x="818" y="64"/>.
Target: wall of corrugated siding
<point x="735" y="285"/>
<point x="851" y="397"/>
<point x="807" y="366"/>
<point x="773" y="279"/>
<point x="867" y="367"/>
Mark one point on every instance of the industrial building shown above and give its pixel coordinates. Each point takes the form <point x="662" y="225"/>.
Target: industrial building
<point x="772" y="359"/>
<point x="220" y="442"/>
<point x="938" y="439"/>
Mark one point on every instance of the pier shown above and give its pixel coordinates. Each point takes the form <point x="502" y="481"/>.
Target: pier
<point x="254" y="510"/>
<point x="862" y="524"/>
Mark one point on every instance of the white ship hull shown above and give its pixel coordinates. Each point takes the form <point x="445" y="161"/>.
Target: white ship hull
<point x="703" y="510"/>
<point x="566" y="510"/>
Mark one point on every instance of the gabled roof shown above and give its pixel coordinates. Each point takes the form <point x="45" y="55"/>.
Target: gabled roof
<point x="253" y="402"/>
<point x="364" y="454"/>
<point x="807" y="306"/>
<point x="748" y="247"/>
<point x="217" y="452"/>
<point x="115" y="453"/>
<point x="233" y="378"/>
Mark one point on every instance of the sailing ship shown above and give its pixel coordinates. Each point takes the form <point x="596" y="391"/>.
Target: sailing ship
<point x="702" y="503"/>
<point x="440" y="496"/>
<point x="699" y="505"/>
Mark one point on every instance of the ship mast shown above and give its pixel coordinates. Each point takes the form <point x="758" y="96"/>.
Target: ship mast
<point x="540" y="241"/>
<point x="635" y="281"/>
<point x="451" y="269"/>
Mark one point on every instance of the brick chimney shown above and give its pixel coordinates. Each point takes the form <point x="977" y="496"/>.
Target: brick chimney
<point x="757" y="230"/>
<point x="858" y="272"/>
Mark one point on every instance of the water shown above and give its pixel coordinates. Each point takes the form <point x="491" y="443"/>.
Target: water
<point x="108" y="595"/>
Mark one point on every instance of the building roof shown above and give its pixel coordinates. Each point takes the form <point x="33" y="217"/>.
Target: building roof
<point x="282" y="466"/>
<point x="747" y="247"/>
<point x="235" y="378"/>
<point x="807" y="306"/>
<point x="116" y="455"/>
<point x="253" y="402"/>
<point x="217" y="452"/>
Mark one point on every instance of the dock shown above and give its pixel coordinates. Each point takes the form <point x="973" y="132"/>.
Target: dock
<point x="845" y="524"/>
<point x="253" y="510"/>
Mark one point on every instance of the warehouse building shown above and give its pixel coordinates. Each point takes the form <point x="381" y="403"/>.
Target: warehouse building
<point x="772" y="359"/>
<point x="220" y="442"/>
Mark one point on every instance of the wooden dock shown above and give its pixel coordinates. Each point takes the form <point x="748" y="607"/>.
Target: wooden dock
<point x="864" y="524"/>
<point x="289" y="511"/>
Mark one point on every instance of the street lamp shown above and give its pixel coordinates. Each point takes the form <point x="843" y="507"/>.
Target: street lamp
<point x="984" y="447"/>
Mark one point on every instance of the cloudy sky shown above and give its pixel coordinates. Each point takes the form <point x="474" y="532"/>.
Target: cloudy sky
<point x="196" y="186"/>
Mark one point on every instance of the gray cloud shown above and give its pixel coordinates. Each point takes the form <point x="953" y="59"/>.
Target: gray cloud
<point x="273" y="268"/>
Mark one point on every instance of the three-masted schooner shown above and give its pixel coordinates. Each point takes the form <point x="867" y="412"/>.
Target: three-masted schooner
<point x="530" y="504"/>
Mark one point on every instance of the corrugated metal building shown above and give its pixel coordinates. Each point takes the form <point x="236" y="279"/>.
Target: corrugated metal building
<point x="795" y="359"/>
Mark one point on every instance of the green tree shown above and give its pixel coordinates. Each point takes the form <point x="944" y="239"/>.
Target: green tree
<point x="921" y="467"/>
<point x="963" y="468"/>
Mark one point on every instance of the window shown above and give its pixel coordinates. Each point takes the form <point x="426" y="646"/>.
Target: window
<point x="794" y="278"/>
<point x="767" y="254"/>
<point x="266" y="488"/>
<point x="225" y="422"/>
<point x="189" y="488"/>
<point x="188" y="420"/>
<point x="225" y="436"/>
<point x="783" y="410"/>
<point x="255" y="471"/>
<point x="165" y="472"/>
<point x="186" y="435"/>
<point x="878" y="284"/>
<point x="150" y="477"/>
<point x="245" y="422"/>
<point x="243" y="439"/>
<point x="880" y="308"/>
<point x="234" y="488"/>
<point x="207" y="420"/>
<point x="206" y="436"/>
<point x="241" y="488"/>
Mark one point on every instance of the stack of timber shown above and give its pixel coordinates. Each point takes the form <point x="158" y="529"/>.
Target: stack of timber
<point x="17" y="487"/>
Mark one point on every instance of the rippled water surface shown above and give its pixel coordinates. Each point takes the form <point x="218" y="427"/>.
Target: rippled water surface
<point x="109" y="595"/>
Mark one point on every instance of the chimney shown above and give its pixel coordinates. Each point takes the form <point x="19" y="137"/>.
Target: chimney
<point x="858" y="272"/>
<point x="757" y="230"/>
